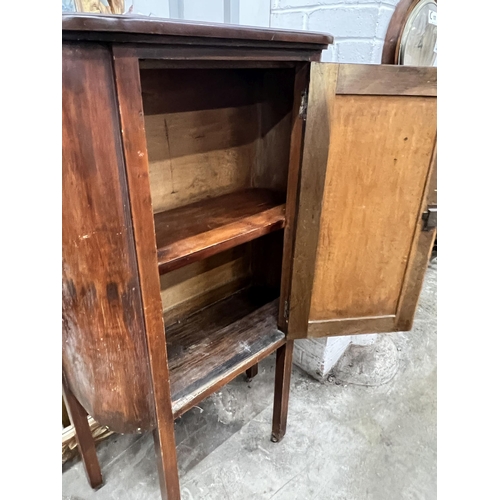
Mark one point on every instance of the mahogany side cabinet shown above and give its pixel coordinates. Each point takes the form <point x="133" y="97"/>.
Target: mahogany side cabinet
<point x="225" y="193"/>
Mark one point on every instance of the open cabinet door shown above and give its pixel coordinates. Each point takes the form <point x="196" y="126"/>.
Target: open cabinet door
<point x="366" y="217"/>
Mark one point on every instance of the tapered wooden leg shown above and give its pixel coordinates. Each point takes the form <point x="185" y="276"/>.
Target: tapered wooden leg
<point x="84" y="439"/>
<point x="252" y="371"/>
<point x="282" y="390"/>
<point x="166" y="457"/>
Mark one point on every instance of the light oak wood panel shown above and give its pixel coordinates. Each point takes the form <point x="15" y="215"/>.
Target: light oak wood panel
<point x="380" y="149"/>
<point x="377" y="79"/>
<point x="184" y="170"/>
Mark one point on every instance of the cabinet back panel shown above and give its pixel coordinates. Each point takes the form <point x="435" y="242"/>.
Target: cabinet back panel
<point x="197" y="285"/>
<point x="212" y="132"/>
<point x="379" y="156"/>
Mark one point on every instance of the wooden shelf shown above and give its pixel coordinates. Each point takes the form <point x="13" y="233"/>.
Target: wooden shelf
<point x="199" y="230"/>
<point x="214" y="345"/>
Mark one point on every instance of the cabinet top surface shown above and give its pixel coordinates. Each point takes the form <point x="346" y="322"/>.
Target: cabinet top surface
<point x="142" y="25"/>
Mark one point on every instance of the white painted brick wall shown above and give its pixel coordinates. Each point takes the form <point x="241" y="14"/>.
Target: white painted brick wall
<point x="358" y="26"/>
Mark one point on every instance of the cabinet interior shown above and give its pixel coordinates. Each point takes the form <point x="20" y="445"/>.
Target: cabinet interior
<point x="218" y="145"/>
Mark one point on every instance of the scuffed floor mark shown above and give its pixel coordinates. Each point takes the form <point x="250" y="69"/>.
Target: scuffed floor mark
<point x="368" y="365"/>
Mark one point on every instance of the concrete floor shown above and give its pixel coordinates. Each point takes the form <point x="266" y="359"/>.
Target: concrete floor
<point x="368" y="433"/>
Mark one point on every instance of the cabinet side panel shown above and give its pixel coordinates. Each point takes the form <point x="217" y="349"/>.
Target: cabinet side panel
<point x="104" y="348"/>
<point x="380" y="151"/>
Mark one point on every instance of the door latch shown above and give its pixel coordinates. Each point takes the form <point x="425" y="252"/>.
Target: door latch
<point x="430" y="218"/>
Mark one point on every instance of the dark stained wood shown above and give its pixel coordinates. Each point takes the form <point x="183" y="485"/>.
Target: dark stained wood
<point x="375" y="79"/>
<point x="274" y="95"/>
<point x="301" y="84"/>
<point x="219" y="53"/>
<point x="146" y="64"/>
<point x="104" y="348"/>
<point x="421" y="251"/>
<point x="156" y="26"/>
<point x="84" y="439"/>
<point x="394" y="30"/>
<point x="65" y="416"/>
<point x="199" y="230"/>
<point x="284" y="358"/>
<point x="230" y="375"/>
<point x="183" y="90"/>
<point x="220" y="342"/>
<point x="128" y="87"/>
<point x="216" y="45"/>
<point x="321" y="104"/>
<point x="252" y="371"/>
<point x="266" y="256"/>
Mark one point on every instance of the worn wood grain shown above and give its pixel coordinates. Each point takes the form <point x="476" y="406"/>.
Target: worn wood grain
<point x="128" y="87"/>
<point x="375" y="79"/>
<point x="320" y="115"/>
<point x="213" y="132"/>
<point x="219" y="340"/>
<point x="104" y="348"/>
<point x="201" y="128"/>
<point x="199" y="230"/>
<point x="84" y="439"/>
<point x="301" y="84"/>
<point x="379" y="158"/>
<point x="156" y="26"/>
<point x="420" y="254"/>
<point x="364" y="213"/>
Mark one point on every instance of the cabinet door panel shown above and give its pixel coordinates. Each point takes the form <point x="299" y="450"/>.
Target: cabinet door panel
<point x="359" y="260"/>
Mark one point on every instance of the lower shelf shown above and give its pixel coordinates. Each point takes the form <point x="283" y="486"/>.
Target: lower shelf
<point x="214" y="345"/>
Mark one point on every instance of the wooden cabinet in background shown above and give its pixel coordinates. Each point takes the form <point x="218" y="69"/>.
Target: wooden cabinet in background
<point x="224" y="193"/>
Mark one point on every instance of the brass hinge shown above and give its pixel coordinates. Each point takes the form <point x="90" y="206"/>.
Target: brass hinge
<point x="286" y="311"/>
<point x="430" y="218"/>
<point x="303" y="106"/>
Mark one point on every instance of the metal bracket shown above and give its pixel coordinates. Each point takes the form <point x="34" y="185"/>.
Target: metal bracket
<point x="430" y="218"/>
<point x="303" y="106"/>
<point x="286" y="312"/>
